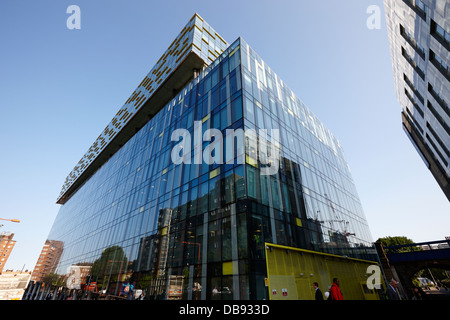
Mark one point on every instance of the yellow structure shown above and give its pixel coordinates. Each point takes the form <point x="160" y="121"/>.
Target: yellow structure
<point x="291" y="273"/>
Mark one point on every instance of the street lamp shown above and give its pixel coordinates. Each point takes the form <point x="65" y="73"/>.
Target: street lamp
<point x="12" y="220"/>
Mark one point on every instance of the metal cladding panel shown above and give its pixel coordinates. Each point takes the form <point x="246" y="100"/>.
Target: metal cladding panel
<point x="291" y="273"/>
<point x="196" y="46"/>
<point x="419" y="40"/>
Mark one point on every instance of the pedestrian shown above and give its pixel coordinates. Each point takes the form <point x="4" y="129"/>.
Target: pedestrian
<point x="416" y="294"/>
<point x="319" y="295"/>
<point x="335" y="291"/>
<point x="391" y="291"/>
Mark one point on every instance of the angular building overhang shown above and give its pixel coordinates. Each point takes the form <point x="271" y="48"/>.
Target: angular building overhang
<point x="426" y="154"/>
<point x="194" y="48"/>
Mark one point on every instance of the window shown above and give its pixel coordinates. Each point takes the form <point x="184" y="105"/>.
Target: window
<point x="236" y="109"/>
<point x="442" y="36"/>
<point x="214" y="98"/>
<point x="223" y="119"/>
<point x="409" y="38"/>
<point x="253" y="183"/>
<point x="437" y="150"/>
<point x="413" y="88"/>
<point x="413" y="63"/>
<point x="416" y="106"/>
<point x="265" y="189"/>
<point x="439" y="118"/>
<point x="214" y="192"/>
<point x="233" y="84"/>
<point x="440" y="65"/>
<point x="203" y="198"/>
<point x="412" y="119"/>
<point x="439" y="99"/>
<point x="229" y="187"/>
<point x="239" y="180"/>
<point x="438" y="139"/>
<point x="249" y="110"/>
<point x="418" y="7"/>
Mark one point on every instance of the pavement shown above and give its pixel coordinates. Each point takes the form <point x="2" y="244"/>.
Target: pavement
<point x="438" y="294"/>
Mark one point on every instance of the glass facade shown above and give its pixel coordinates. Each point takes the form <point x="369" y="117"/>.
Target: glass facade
<point x="197" y="231"/>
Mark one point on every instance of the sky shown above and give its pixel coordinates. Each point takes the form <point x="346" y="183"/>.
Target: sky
<point x="60" y="87"/>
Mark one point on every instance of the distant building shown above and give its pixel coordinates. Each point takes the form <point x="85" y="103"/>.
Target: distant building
<point x="419" y="39"/>
<point x="6" y="245"/>
<point x="13" y="284"/>
<point x="48" y="260"/>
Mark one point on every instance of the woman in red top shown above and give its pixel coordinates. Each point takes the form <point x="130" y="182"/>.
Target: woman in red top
<point x="335" y="291"/>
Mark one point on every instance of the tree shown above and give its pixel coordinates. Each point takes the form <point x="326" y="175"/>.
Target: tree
<point x="397" y="241"/>
<point x="51" y="279"/>
<point x="112" y="262"/>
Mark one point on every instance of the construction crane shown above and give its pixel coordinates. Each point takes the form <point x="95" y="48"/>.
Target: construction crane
<point x="345" y="232"/>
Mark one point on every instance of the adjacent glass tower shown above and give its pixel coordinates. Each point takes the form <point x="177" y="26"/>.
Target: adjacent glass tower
<point x="419" y="39"/>
<point x="197" y="231"/>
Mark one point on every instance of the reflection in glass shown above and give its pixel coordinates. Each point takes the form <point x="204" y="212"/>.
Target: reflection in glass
<point x="142" y="227"/>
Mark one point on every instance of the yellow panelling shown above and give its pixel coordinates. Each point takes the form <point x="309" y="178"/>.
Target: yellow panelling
<point x="227" y="268"/>
<point x="200" y="18"/>
<point x="198" y="28"/>
<point x="234" y="51"/>
<point x="181" y="36"/>
<point x="196" y="47"/>
<point x="140" y="101"/>
<point x="145" y="81"/>
<point x="214" y="173"/>
<point x="209" y="33"/>
<point x="303" y="267"/>
<point x="251" y="161"/>
<point x="124" y="115"/>
<point x="182" y="55"/>
<point x="221" y="38"/>
<point x="215" y="56"/>
<point x="174" y="50"/>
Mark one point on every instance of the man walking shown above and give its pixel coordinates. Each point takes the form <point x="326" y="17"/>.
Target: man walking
<point x="319" y="295"/>
<point x="335" y="291"/>
<point x="392" y="292"/>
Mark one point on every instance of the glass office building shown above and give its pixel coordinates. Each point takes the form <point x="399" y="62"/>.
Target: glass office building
<point x="197" y="230"/>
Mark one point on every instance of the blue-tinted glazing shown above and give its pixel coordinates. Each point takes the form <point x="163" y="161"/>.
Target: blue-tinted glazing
<point x="197" y="231"/>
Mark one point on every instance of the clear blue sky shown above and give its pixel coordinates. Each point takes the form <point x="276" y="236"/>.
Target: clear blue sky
<point x="59" y="88"/>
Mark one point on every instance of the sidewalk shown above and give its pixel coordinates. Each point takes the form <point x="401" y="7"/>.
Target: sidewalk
<point x="435" y="294"/>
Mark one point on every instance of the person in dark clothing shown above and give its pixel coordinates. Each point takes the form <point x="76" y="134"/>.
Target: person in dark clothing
<point x="391" y="291"/>
<point x="319" y="295"/>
